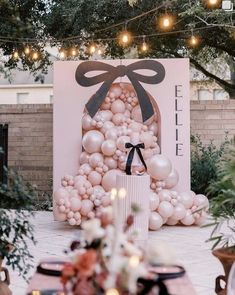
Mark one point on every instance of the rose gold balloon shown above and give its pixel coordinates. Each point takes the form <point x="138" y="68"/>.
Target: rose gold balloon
<point x="186" y="199"/>
<point x="154" y="201"/>
<point x="107" y="126"/>
<point x="116" y="90"/>
<point x="154" y="128"/>
<point x="105" y="200"/>
<point x="61" y="193"/>
<point x="109" y="179"/>
<point x="165" y="209"/>
<point x="86" y="207"/>
<point x="106" y="115"/>
<point x="86" y="122"/>
<point x="84" y="158"/>
<point x="110" y="163"/>
<point x="188" y="219"/>
<point x="147" y="139"/>
<point x="136" y="114"/>
<point x="94" y="178"/>
<point x="72" y="221"/>
<point x="122" y="140"/>
<point x="92" y="141"/>
<point x="136" y="127"/>
<point x="135" y="137"/>
<point x="118" y="118"/>
<point x="111" y="134"/>
<point x="171" y="221"/>
<point x="75" y="204"/>
<point x="108" y="147"/>
<point x="179" y="212"/>
<point x="86" y="168"/>
<point x="159" y="167"/>
<point x="155" y="221"/>
<point x="164" y="195"/>
<point x="95" y="159"/>
<point x="118" y="106"/>
<point x="172" y="179"/>
<point x="201" y="201"/>
<point x="147" y="154"/>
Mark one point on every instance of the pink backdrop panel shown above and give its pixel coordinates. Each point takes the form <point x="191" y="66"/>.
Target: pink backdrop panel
<point x="172" y="98"/>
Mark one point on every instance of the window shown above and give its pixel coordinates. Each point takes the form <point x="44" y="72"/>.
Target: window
<point x="22" y="97"/>
<point x="220" y="94"/>
<point x="205" y="94"/>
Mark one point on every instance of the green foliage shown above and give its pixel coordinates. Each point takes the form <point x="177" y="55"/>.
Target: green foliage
<point x="223" y="205"/>
<point x="16" y="202"/>
<point x="44" y="202"/>
<point x="204" y="164"/>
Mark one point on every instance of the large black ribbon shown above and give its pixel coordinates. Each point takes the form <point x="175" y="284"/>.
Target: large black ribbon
<point x="130" y="157"/>
<point x="112" y="73"/>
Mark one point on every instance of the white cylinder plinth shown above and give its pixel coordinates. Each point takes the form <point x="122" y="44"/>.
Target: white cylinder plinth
<point x="138" y="192"/>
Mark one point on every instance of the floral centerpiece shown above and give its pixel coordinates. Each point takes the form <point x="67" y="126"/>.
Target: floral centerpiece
<point x="105" y="259"/>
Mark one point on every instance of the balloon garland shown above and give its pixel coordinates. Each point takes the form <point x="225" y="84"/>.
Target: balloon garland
<point x="104" y="156"/>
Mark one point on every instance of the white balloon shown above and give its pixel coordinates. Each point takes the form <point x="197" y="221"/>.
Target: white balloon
<point x="155" y="221"/>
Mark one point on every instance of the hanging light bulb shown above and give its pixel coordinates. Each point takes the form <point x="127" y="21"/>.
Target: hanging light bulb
<point x="193" y="41"/>
<point x="144" y="46"/>
<point x="112" y="291"/>
<point x="73" y="51"/>
<point x="62" y="53"/>
<point x="35" y="55"/>
<point x="27" y="50"/>
<point x="213" y="3"/>
<point x="99" y="51"/>
<point x="125" y="38"/>
<point x="166" y="22"/>
<point x="92" y="48"/>
<point x="15" y="54"/>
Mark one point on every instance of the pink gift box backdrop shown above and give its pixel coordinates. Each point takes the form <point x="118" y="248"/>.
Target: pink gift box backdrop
<point x="172" y="100"/>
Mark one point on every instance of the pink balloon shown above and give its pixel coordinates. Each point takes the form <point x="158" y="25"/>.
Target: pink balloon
<point x="147" y="139"/>
<point x="95" y="159"/>
<point x="92" y="141"/>
<point x="201" y="201"/>
<point x="165" y="209"/>
<point x="107" y="126"/>
<point x="111" y="134"/>
<point x="109" y="179"/>
<point x="118" y="118"/>
<point x="94" y="178"/>
<point x="110" y="162"/>
<point x="188" y="219"/>
<point x="154" y="201"/>
<point x="108" y="147"/>
<point x="136" y="127"/>
<point x="84" y="158"/>
<point x="122" y="140"/>
<point x="164" y="195"/>
<point x="159" y="167"/>
<point x="179" y="212"/>
<point x="77" y="215"/>
<point x="86" y="207"/>
<point x="155" y="221"/>
<point x="186" y="199"/>
<point x="154" y="128"/>
<point x="105" y="200"/>
<point x="73" y="193"/>
<point x="136" y="114"/>
<point x="171" y="221"/>
<point x="118" y="106"/>
<point x="106" y="115"/>
<point x="75" y="204"/>
<point x="72" y="221"/>
<point x="86" y="122"/>
<point x="61" y="193"/>
<point x="86" y="168"/>
<point x="147" y="154"/>
<point x="116" y="90"/>
<point x="172" y="179"/>
<point x="135" y="137"/>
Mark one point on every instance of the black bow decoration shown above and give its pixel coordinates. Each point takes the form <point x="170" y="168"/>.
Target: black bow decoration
<point x="112" y="73"/>
<point x="130" y="157"/>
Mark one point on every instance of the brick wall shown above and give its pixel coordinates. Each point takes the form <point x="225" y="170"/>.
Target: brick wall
<point x="30" y="142"/>
<point x="212" y="119"/>
<point x="30" y="134"/>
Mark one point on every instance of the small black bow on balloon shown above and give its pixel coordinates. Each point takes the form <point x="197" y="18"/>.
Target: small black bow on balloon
<point x="112" y="73"/>
<point x="130" y="157"/>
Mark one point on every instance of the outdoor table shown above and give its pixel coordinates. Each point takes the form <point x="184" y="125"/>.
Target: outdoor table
<point x="178" y="286"/>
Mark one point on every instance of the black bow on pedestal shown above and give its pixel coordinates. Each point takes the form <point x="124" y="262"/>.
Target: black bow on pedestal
<point x="112" y="73"/>
<point x="130" y="157"/>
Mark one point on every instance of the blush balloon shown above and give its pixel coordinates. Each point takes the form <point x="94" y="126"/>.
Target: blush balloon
<point x="154" y="201"/>
<point x="84" y="158"/>
<point x="110" y="163"/>
<point x="75" y="204"/>
<point x="171" y="221"/>
<point x="105" y="200"/>
<point x="147" y="139"/>
<point x="154" y="128"/>
<point x="109" y="179"/>
<point x="118" y="106"/>
<point x="164" y="195"/>
<point x="136" y="127"/>
<point x="118" y="119"/>
<point x="86" y="207"/>
<point x="188" y="219"/>
<point x="179" y="212"/>
<point x="86" y="122"/>
<point x="108" y="147"/>
<point x="92" y="141"/>
<point x="116" y="90"/>
<point x="61" y="193"/>
<point x="111" y="134"/>
<point x="94" y="178"/>
<point x="159" y="167"/>
<point x="165" y="209"/>
<point x="95" y="159"/>
<point x="155" y="221"/>
<point x="201" y="201"/>
<point x="186" y="199"/>
<point x="106" y="126"/>
<point x="122" y="140"/>
<point x="172" y="179"/>
<point x="106" y="115"/>
<point x="136" y="114"/>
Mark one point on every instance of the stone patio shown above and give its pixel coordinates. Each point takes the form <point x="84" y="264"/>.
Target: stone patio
<point x="188" y="243"/>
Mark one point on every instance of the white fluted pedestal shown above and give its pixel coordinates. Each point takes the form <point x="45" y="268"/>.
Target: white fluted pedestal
<point x="138" y="192"/>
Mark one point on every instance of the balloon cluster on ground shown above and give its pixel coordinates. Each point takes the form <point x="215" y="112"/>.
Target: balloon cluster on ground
<point x="104" y="156"/>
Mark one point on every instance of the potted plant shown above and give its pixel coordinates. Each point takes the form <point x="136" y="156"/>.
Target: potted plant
<point x="16" y="204"/>
<point x="223" y="214"/>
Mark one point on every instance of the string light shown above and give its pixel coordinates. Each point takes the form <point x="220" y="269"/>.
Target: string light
<point x="193" y="41"/>
<point x="92" y="48"/>
<point x="166" y="21"/>
<point x="27" y="50"/>
<point x="144" y="46"/>
<point x="122" y="193"/>
<point x="125" y="38"/>
<point x="62" y="53"/>
<point x="15" y="54"/>
<point x="74" y="51"/>
<point x="213" y="3"/>
<point x="99" y="51"/>
<point x="134" y="261"/>
<point x="112" y="291"/>
<point x="35" y="56"/>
